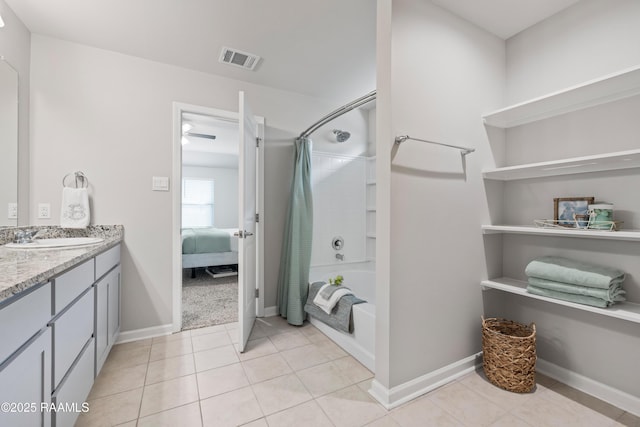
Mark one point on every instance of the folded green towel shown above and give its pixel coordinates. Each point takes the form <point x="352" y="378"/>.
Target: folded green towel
<point x="578" y="299"/>
<point x="564" y="270"/>
<point x="612" y="294"/>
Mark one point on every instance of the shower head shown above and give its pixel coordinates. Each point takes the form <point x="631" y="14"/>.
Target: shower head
<point x="341" y="135"/>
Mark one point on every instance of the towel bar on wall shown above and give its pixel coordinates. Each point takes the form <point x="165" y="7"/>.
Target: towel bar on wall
<point x="463" y="150"/>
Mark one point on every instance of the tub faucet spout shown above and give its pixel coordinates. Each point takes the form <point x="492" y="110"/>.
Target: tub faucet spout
<point x="340" y="257"/>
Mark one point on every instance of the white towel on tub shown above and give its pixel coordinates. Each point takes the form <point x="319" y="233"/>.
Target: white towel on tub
<point x="327" y="304"/>
<point x="75" y="208"/>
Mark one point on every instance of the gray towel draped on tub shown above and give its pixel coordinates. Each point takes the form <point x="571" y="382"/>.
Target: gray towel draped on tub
<point x="340" y="317"/>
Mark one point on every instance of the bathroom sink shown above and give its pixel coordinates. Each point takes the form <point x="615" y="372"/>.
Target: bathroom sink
<point x="65" y="242"/>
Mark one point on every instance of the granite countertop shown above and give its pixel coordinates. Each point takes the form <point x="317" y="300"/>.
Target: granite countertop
<point x="22" y="268"/>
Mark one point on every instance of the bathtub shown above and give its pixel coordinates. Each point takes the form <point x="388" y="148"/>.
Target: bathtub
<point x="361" y="343"/>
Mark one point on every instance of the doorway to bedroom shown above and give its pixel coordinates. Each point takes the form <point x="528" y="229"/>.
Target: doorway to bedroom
<point x="209" y="224"/>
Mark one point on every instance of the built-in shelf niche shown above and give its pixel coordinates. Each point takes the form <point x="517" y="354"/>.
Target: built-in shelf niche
<point x="609" y="88"/>
<point x="585" y="164"/>
<point x="624" y="310"/>
<point x="628" y="235"/>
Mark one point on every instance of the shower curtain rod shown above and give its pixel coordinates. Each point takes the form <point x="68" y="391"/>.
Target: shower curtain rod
<point x="338" y="112"/>
<point x="463" y="150"/>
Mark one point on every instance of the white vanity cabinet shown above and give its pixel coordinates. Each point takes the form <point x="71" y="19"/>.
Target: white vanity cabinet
<point x="107" y="304"/>
<point x="25" y="357"/>
<point x="25" y="383"/>
<point x="55" y="337"/>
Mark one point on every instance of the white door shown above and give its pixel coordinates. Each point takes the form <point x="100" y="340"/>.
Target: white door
<point x="247" y="223"/>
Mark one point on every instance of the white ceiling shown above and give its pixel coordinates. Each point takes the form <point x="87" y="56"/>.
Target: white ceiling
<point x="505" y="18"/>
<point x="322" y="48"/>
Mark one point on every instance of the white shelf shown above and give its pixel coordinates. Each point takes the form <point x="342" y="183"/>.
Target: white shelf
<point x="596" y="163"/>
<point x="633" y="235"/>
<point x="371" y="235"/>
<point x="371" y="182"/>
<point x="624" y="310"/>
<point x="609" y="88"/>
<point x="371" y="208"/>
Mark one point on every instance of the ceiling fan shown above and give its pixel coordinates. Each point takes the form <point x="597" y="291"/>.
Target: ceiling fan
<point x="186" y="131"/>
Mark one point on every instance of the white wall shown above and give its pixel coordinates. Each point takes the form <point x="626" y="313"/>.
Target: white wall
<point x="444" y="74"/>
<point x="15" y="46"/>
<point x="225" y="208"/>
<point x="583" y="42"/>
<point x="586" y="41"/>
<point x="110" y="115"/>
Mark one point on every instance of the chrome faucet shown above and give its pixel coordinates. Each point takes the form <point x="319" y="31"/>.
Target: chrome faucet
<point x="340" y="257"/>
<point x="25" y="236"/>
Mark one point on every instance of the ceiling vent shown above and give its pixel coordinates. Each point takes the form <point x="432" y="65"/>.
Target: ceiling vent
<point x="245" y="60"/>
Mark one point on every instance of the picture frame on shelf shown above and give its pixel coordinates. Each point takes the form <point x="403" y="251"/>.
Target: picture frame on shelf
<point x="564" y="209"/>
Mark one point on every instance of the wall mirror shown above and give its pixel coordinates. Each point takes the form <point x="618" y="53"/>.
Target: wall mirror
<point x="8" y="145"/>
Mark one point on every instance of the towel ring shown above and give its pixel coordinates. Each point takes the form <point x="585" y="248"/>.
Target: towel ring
<point x="79" y="180"/>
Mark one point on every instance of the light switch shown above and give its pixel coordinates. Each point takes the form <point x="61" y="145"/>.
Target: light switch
<point x="160" y="183"/>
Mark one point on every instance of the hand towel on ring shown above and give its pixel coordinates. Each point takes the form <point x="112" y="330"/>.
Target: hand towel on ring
<point x="75" y="208"/>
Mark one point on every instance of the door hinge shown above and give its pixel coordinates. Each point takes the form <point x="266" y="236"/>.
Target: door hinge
<point x="258" y="141"/>
<point x="257" y="217"/>
<point x="257" y="293"/>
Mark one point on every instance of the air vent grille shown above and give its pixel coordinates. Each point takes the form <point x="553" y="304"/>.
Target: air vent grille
<point x="245" y="60"/>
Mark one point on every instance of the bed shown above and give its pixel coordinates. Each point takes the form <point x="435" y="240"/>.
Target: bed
<point x="209" y="247"/>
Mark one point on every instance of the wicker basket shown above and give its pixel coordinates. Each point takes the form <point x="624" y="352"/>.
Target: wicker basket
<point x="509" y="354"/>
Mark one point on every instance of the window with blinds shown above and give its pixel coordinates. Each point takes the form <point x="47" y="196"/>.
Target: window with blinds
<point x="197" y="202"/>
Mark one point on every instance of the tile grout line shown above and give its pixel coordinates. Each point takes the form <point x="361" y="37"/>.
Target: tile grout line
<point x="144" y="384"/>
<point x="427" y="396"/>
<point x="195" y="373"/>
<point x="313" y="398"/>
<point x="253" y="391"/>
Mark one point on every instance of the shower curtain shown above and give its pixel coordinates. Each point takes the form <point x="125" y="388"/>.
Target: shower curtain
<point x="296" y="249"/>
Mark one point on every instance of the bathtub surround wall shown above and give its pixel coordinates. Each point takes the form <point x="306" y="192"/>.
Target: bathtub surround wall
<point x="439" y="75"/>
<point x="15" y="46"/>
<point x="111" y="115"/>
<point x="338" y="208"/>
<point x="586" y="41"/>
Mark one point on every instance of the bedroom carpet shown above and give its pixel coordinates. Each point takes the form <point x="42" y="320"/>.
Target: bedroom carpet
<point x="207" y="301"/>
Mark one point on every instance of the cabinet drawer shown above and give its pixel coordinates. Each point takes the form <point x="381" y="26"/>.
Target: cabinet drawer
<point x="23" y="318"/>
<point x="107" y="260"/>
<point x="70" y="333"/>
<point x="75" y="388"/>
<point x="69" y="285"/>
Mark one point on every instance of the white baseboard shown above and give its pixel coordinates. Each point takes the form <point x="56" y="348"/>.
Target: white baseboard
<point x="604" y="392"/>
<point x="396" y="396"/>
<point x="270" y="311"/>
<point x="144" y="333"/>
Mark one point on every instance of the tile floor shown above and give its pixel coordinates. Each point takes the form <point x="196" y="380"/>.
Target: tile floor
<point x="295" y="376"/>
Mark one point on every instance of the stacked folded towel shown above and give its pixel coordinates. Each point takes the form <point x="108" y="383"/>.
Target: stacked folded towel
<point x="575" y="281"/>
<point x="329" y="295"/>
